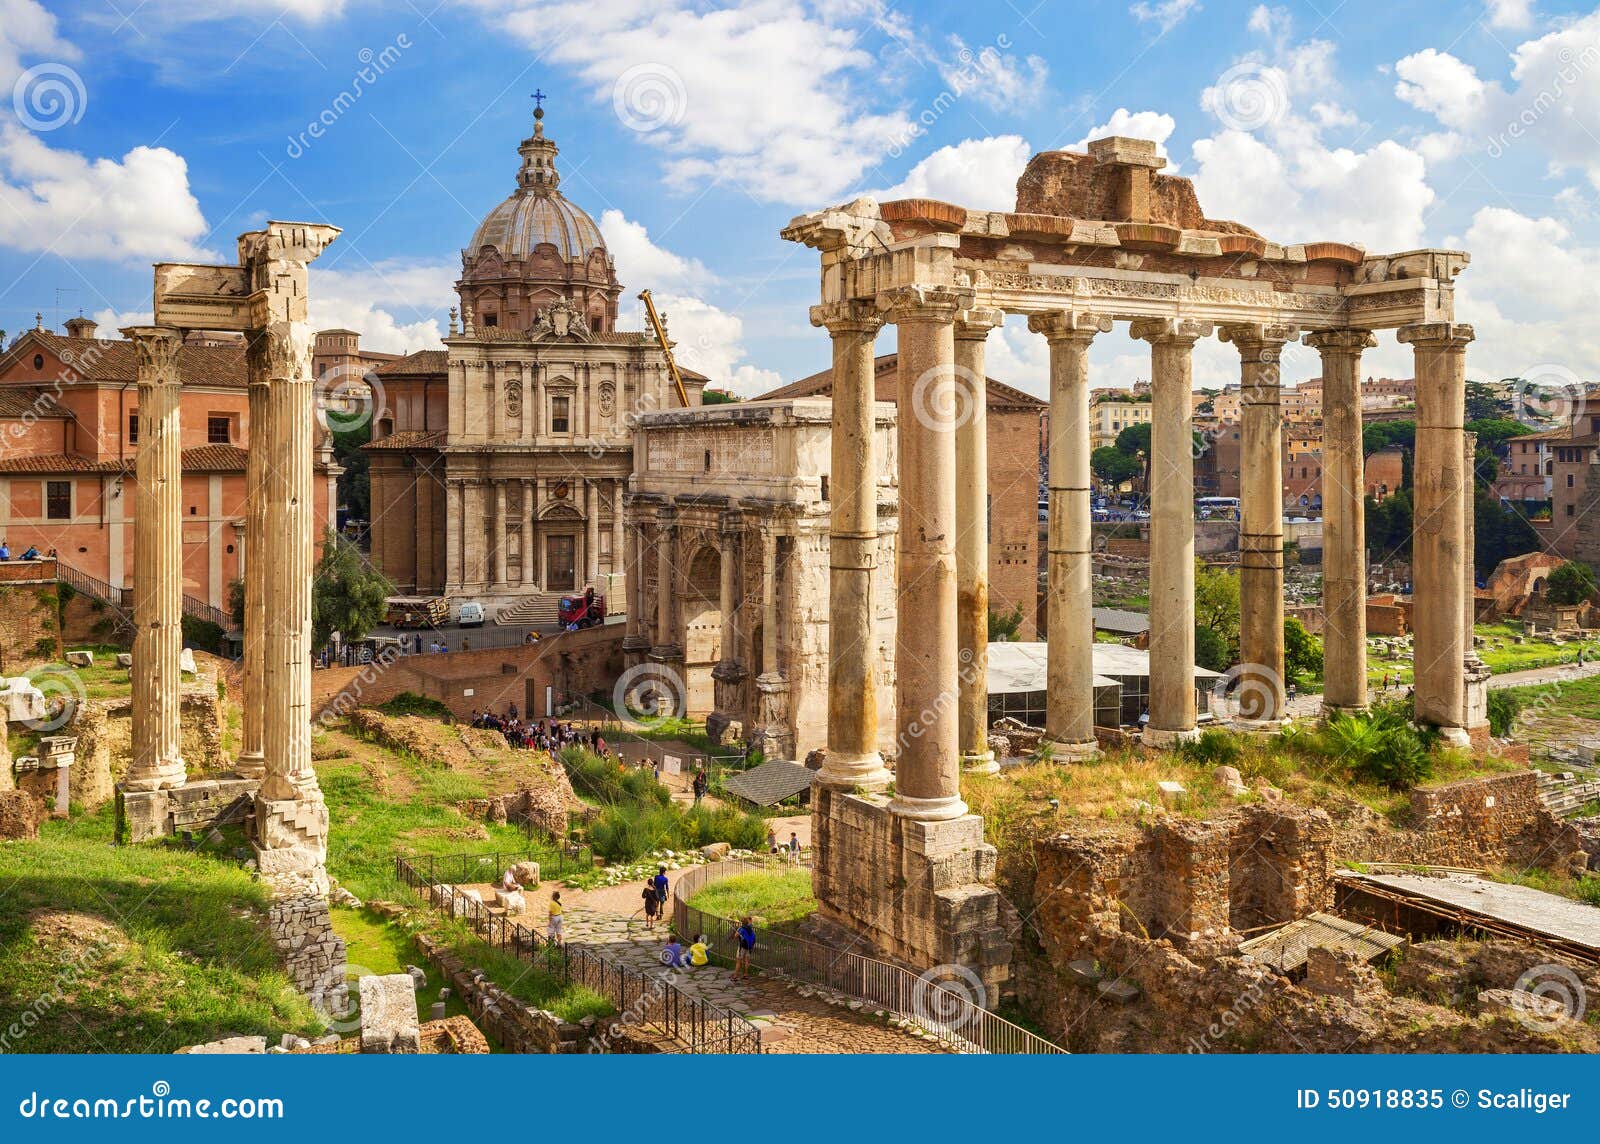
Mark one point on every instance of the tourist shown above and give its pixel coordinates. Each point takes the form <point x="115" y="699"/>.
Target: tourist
<point x="660" y="884"/>
<point x="772" y="840"/>
<point x="553" y="928"/>
<point x="466" y="644"/>
<point x="5" y="550"/>
<point x="512" y="712"/>
<point x="33" y="554"/>
<point x="652" y="904"/>
<point x="508" y="883"/>
<point x="672" y="955"/>
<point x="700" y="785"/>
<point x="699" y="951"/>
<point x="794" y="847"/>
<point x="745" y="937"/>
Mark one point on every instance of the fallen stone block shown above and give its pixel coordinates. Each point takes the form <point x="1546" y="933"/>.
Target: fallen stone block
<point x="389" y="1014"/>
<point x="235" y="1045"/>
<point x="124" y="659"/>
<point x="716" y="851"/>
<point x="186" y="662"/>
<point x="82" y="659"/>
<point x="526" y="874"/>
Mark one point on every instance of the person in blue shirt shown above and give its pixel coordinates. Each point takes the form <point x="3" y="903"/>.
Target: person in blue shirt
<point x="5" y="550"/>
<point x="746" y="941"/>
<point x="672" y="955"/>
<point x="660" y="883"/>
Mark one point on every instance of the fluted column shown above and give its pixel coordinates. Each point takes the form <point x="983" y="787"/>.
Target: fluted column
<point x="928" y="772"/>
<point x="591" y="540"/>
<point x="501" y="535"/>
<point x="455" y="522"/>
<point x="852" y="756"/>
<point x="1344" y="527"/>
<point x="1476" y="712"/>
<point x="729" y="671"/>
<point x="666" y="645"/>
<point x="1438" y="543"/>
<point x="617" y="563"/>
<point x="1172" y="700"/>
<point x="972" y="538"/>
<point x="252" y="763"/>
<point x="1069" y="698"/>
<point x="157" y="565"/>
<point x="636" y="642"/>
<point x="1260" y="682"/>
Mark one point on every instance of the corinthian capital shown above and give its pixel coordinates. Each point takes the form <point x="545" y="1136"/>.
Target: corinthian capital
<point x="1349" y="341"/>
<point x="1258" y="341"/>
<point x="923" y="303"/>
<point x="976" y="323"/>
<point x="1447" y="336"/>
<point x="852" y="317"/>
<point x="1170" y="331"/>
<point x="1069" y="325"/>
<point x="157" y="348"/>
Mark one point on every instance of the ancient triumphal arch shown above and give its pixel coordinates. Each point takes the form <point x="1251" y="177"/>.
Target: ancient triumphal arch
<point x="1096" y="239"/>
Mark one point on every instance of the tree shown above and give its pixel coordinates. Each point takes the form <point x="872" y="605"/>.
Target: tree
<point x="1302" y="653"/>
<point x="236" y="602"/>
<point x="1572" y="583"/>
<point x="1389" y="525"/>
<point x="1210" y="649"/>
<point x="1484" y="404"/>
<point x="1382" y="434"/>
<point x="1135" y="439"/>
<point x="1003" y="626"/>
<point x="347" y="593"/>
<point x="1498" y="532"/>
<point x="718" y="397"/>
<point x="355" y="484"/>
<point x="1112" y="466"/>
<point x="1216" y="603"/>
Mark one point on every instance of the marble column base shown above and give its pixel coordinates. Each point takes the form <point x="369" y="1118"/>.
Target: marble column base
<point x="1164" y="740"/>
<point x="1455" y="737"/>
<point x="928" y="809"/>
<point x="250" y="765"/>
<point x="163" y="776"/>
<point x="1329" y="710"/>
<point x="1065" y="752"/>
<point x="979" y="763"/>
<point x="854" y="772"/>
<point x="1261" y="726"/>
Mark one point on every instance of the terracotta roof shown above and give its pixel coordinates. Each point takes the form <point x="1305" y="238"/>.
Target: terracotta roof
<point x="29" y="400"/>
<point x="57" y="463"/>
<point x="423" y="363"/>
<point x="98" y="359"/>
<point x="214" y="459"/>
<point x="886" y="377"/>
<point x="406" y="440"/>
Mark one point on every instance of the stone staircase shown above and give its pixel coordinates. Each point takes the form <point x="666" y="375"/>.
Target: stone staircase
<point x="1566" y="792"/>
<point x="538" y="608"/>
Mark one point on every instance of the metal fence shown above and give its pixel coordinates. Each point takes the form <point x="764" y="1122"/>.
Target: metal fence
<point x="647" y="1000"/>
<point x="950" y="1014"/>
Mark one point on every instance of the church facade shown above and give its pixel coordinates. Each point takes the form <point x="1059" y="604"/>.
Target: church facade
<point x="499" y="464"/>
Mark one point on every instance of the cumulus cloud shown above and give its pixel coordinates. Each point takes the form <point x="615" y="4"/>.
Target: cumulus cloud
<point x="979" y="173"/>
<point x="27" y="29"/>
<point x="1509" y="13"/>
<point x="1551" y="112"/>
<point x="1168" y="14"/>
<point x="395" y="305"/>
<point x="1154" y="125"/>
<point x="993" y="75"/>
<point x="641" y="264"/>
<point x="138" y="208"/>
<point x="111" y="322"/>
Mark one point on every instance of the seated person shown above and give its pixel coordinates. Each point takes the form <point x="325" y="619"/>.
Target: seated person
<point x="509" y="884"/>
<point x="31" y="554"/>
<point x="672" y="955"/>
<point x="700" y="951"/>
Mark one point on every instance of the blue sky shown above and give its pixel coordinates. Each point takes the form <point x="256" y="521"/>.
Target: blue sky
<point x="136" y="131"/>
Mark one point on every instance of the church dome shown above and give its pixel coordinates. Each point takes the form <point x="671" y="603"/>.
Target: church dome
<point x="525" y="220"/>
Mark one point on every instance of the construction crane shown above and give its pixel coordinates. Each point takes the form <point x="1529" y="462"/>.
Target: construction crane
<point x="661" y="336"/>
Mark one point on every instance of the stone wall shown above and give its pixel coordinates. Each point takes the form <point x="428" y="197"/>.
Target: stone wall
<point x="313" y="955"/>
<point x="29" y="632"/>
<point x="920" y="892"/>
<point x="87" y="620"/>
<point x="513" y="1025"/>
<point x="105" y="740"/>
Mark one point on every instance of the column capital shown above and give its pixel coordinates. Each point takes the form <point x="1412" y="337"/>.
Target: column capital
<point x="923" y="303"/>
<point x="1069" y="325"/>
<point x="974" y="324"/>
<point x="1448" y="336"/>
<point x="851" y="317"/>
<point x="1349" y="340"/>
<point x="1258" y="341"/>
<point x="1170" y="331"/>
<point x="157" y="347"/>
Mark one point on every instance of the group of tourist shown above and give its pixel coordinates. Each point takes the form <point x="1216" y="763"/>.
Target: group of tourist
<point x="31" y="554"/>
<point x="541" y="735"/>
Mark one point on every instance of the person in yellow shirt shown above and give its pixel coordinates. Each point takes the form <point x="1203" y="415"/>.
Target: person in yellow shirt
<point x="699" y="951"/>
<point x="553" y="929"/>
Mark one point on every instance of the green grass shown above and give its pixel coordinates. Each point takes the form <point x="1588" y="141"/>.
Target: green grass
<point x="775" y="899"/>
<point x="536" y="982"/>
<point x="160" y="947"/>
<point x="1532" y="653"/>
<point x="1584" y="889"/>
<point x="1579" y="698"/>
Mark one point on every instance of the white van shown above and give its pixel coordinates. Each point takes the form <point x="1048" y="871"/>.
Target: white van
<point x="470" y="615"/>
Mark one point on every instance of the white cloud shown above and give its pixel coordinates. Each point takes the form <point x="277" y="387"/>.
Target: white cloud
<point x="367" y="301"/>
<point x="1273" y="23"/>
<point x="1510" y="13"/>
<point x="139" y="208"/>
<point x="992" y="76"/>
<point x="978" y="173"/>
<point x="641" y="264"/>
<point x="769" y="96"/>
<point x="27" y="29"/>
<point x="1552" y="113"/>
<point x="1154" y="125"/>
<point x="1167" y="13"/>
<point x="112" y="321"/>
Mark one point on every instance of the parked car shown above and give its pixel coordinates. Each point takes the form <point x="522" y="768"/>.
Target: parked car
<point x="471" y="615"/>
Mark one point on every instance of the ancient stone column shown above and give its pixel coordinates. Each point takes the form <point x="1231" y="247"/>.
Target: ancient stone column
<point x="1438" y="545"/>
<point x="972" y="538"/>
<point x="927" y="658"/>
<point x="529" y="571"/>
<point x="1069" y="698"/>
<point x="591" y="539"/>
<point x="157" y="565"/>
<point x="1172" y="699"/>
<point x="666" y="645"/>
<point x="1477" y="673"/>
<point x="252" y="763"/>
<point x="636" y="642"/>
<point x="729" y="671"/>
<point x="617" y="488"/>
<point x="772" y="685"/>
<point x="852" y="756"/>
<point x="1344" y="528"/>
<point x="501" y="535"/>
<point x="1259" y="686"/>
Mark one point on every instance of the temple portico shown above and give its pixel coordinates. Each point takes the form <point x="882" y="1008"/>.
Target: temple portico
<point x="1099" y="239"/>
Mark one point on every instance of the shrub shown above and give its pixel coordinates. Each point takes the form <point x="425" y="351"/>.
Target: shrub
<point x="202" y="634"/>
<point x="1215" y="747"/>
<point x="1503" y="709"/>
<point x="1210" y="649"/>
<point x="1381" y="747"/>
<point x="410" y="703"/>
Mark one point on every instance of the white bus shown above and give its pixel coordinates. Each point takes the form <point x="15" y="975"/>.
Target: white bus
<point x="1217" y="508"/>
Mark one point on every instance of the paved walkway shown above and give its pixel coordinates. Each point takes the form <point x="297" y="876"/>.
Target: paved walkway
<point x="1561" y="673"/>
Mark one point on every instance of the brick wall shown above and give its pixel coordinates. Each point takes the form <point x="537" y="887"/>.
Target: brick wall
<point x="28" y="630"/>
<point x="1014" y="516"/>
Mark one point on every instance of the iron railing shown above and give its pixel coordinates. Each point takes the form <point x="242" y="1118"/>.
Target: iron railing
<point x="647" y="1000"/>
<point x="947" y="1011"/>
<point x="121" y="599"/>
